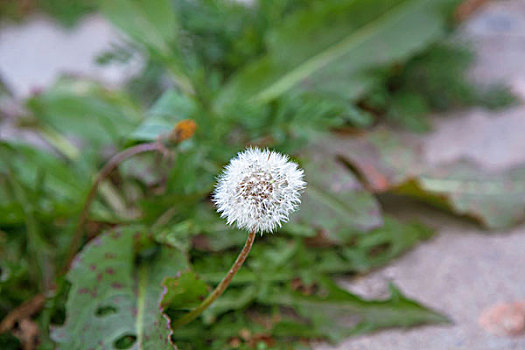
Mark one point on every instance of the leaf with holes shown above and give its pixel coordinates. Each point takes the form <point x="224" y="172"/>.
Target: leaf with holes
<point x="116" y="291"/>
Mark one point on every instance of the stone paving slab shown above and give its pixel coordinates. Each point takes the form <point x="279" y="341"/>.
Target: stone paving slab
<point x="36" y="52"/>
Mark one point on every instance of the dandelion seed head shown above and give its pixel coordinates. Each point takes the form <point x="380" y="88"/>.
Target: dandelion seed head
<point x="258" y="190"/>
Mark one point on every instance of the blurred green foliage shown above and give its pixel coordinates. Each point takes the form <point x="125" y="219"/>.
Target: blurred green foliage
<point x="435" y="80"/>
<point x="66" y="12"/>
<point x="279" y="74"/>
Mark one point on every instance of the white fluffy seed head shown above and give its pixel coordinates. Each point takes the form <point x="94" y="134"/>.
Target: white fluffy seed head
<point x="258" y="190"/>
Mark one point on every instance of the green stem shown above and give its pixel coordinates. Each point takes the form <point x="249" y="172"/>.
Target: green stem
<point x="141" y="302"/>
<point x="60" y="142"/>
<point x="221" y="287"/>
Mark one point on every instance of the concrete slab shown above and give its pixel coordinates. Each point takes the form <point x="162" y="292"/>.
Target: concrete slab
<point x="497" y="33"/>
<point x="494" y="140"/>
<point x="33" y="54"/>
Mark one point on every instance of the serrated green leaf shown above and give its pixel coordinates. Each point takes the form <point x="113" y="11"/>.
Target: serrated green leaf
<point x="115" y="293"/>
<point x="336" y="313"/>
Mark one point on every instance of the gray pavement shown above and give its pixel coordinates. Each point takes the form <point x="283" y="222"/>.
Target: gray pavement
<point x="36" y="52"/>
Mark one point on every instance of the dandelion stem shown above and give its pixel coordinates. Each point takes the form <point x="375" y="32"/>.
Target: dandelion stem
<point x="221" y="287"/>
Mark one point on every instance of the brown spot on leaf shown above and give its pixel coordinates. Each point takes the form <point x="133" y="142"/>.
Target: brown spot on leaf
<point x="116" y="285"/>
